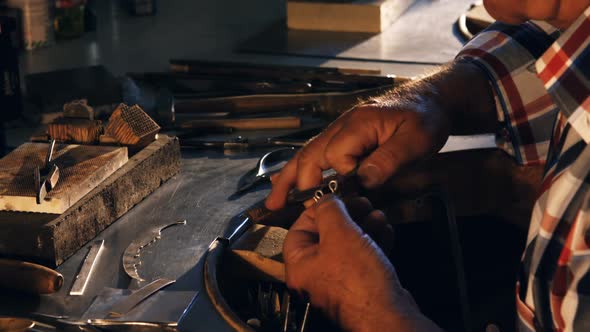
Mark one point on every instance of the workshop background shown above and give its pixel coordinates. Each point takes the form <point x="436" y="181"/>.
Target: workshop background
<point x="138" y="136"/>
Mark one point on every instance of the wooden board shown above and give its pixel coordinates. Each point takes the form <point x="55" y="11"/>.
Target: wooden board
<point x="372" y="16"/>
<point x="82" y="168"/>
<point x="52" y="238"/>
<point x="258" y="253"/>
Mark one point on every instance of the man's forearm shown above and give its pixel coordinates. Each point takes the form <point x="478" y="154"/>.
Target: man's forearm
<point x="466" y="95"/>
<point x="460" y="92"/>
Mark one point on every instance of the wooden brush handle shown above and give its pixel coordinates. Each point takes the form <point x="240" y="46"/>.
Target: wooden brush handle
<point x="288" y="122"/>
<point x="29" y="277"/>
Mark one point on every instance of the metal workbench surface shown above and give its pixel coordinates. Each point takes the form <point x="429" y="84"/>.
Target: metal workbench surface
<point x="199" y="194"/>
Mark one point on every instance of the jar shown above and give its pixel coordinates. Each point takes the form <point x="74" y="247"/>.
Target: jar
<point x="69" y="18"/>
<point x="37" y="27"/>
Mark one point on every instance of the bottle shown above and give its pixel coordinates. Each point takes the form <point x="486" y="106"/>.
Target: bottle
<point x="69" y="18"/>
<point x="10" y="93"/>
<point x="37" y="23"/>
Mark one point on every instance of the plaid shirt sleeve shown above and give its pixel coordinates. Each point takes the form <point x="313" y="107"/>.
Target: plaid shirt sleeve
<point x="555" y="277"/>
<point x="542" y="90"/>
<point x="526" y="112"/>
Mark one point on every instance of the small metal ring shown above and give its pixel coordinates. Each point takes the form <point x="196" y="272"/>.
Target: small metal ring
<point x="318" y="195"/>
<point x="333" y="185"/>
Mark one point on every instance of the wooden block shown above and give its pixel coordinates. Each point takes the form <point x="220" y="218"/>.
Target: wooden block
<point x="372" y="16"/>
<point x="51" y="238"/>
<point x="258" y="253"/>
<point x="107" y="140"/>
<point x="80" y="131"/>
<point x="131" y="126"/>
<point x="82" y="168"/>
<point x="78" y="109"/>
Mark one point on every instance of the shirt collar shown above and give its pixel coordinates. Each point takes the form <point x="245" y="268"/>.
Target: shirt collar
<point x="564" y="70"/>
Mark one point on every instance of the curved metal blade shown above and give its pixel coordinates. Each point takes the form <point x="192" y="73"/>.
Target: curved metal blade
<point x="267" y="165"/>
<point x="132" y="255"/>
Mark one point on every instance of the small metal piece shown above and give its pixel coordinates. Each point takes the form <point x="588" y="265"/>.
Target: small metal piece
<point x="246" y="222"/>
<point x="318" y="195"/>
<point x="63" y="323"/>
<point x="333" y="186"/>
<point x="287" y="310"/>
<point x="132" y="255"/>
<point x="122" y="307"/>
<point x="47" y="177"/>
<point x="254" y="322"/>
<point x="305" y="318"/>
<point x="88" y="265"/>
<point x="42" y="193"/>
<point x="266" y="166"/>
<point x="37" y="182"/>
<point x="52" y="178"/>
<point x="49" y="156"/>
<point x="336" y="185"/>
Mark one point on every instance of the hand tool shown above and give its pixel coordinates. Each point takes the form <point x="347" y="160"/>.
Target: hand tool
<point x="62" y="323"/>
<point x="88" y="266"/>
<point x="122" y="307"/>
<point x="241" y="143"/>
<point x="334" y="184"/>
<point x="132" y="255"/>
<point x="197" y="132"/>
<point x="29" y="277"/>
<point x="15" y="324"/>
<point x="183" y="82"/>
<point x="283" y="122"/>
<point x="266" y="166"/>
<point x="294" y="139"/>
<point x="327" y="103"/>
<point x="47" y="177"/>
<point x="320" y="78"/>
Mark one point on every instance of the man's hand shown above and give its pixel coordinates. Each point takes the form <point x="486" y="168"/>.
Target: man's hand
<point x="392" y="133"/>
<point x="330" y="259"/>
<point x="405" y="125"/>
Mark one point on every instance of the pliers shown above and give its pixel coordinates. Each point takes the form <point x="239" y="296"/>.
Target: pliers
<point x="335" y="184"/>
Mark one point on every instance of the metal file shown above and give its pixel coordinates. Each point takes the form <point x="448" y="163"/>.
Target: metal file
<point x="88" y="266"/>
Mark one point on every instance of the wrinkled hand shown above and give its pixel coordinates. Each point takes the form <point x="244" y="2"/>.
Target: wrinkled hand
<point x="329" y="258"/>
<point x="382" y="137"/>
<point x="372" y="222"/>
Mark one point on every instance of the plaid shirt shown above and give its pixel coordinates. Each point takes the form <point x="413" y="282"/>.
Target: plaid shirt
<point x="541" y="81"/>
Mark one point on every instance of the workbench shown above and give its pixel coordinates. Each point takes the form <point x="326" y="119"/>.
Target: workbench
<point x="198" y="194"/>
<point x="207" y="178"/>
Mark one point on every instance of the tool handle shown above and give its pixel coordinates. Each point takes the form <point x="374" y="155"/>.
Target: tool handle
<point x="29" y="277"/>
<point x="288" y="122"/>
